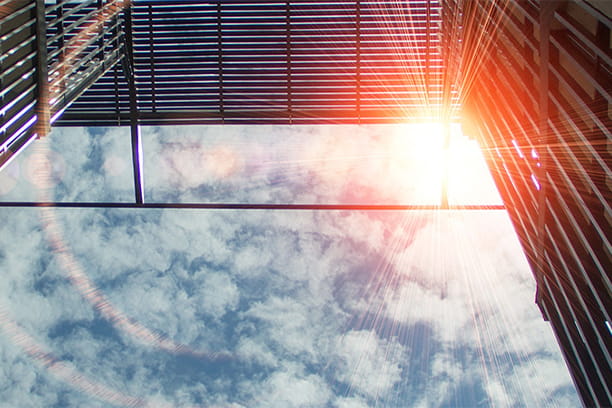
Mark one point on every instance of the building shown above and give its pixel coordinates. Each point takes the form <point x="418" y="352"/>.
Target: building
<point x="541" y="104"/>
<point x="532" y="80"/>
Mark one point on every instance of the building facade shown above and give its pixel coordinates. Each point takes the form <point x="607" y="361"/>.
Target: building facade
<point x="541" y="108"/>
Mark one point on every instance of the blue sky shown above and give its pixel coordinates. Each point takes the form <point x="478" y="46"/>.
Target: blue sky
<point x="265" y="309"/>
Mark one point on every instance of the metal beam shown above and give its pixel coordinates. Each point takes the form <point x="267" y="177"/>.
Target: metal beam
<point x="136" y="142"/>
<point x="248" y="206"/>
<point x="545" y="19"/>
<point x="43" y="108"/>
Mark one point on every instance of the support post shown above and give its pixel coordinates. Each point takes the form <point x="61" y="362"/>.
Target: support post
<point x="128" y="67"/>
<point x="547" y="11"/>
<point x="42" y="73"/>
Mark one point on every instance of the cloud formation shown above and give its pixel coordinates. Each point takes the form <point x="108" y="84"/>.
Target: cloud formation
<point x="275" y="309"/>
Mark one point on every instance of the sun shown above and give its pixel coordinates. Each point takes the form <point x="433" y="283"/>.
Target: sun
<point x="417" y="161"/>
<point x="437" y="164"/>
<point x="430" y="135"/>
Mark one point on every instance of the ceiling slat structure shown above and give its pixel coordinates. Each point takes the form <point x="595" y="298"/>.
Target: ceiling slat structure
<point x="282" y="62"/>
<point x="49" y="55"/>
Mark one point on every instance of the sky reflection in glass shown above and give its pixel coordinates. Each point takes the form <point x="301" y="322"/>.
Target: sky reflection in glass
<point x="268" y="309"/>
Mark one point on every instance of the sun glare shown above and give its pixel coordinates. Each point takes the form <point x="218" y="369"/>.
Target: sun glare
<point x="441" y="164"/>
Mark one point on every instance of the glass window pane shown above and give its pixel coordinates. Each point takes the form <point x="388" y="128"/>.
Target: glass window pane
<point x="334" y="164"/>
<point x="82" y="164"/>
<point x="272" y="308"/>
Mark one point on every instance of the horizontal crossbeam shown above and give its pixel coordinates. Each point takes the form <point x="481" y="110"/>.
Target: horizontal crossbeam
<point x="248" y="206"/>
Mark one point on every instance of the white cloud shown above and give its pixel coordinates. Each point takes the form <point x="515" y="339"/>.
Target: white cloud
<point x="292" y="387"/>
<point x="283" y="293"/>
<point x="533" y="382"/>
<point x="288" y="324"/>
<point x="498" y="394"/>
<point x="287" y="332"/>
<point x="218" y="294"/>
<point x="253" y="350"/>
<point x="368" y="364"/>
<point x="352" y="402"/>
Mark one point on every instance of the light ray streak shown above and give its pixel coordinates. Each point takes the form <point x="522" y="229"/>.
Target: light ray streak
<point x="397" y="19"/>
<point x="478" y="41"/>
<point x="492" y="316"/>
<point x="381" y="286"/>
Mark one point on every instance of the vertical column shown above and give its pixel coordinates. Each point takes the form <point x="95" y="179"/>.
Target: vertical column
<point x="101" y="30"/>
<point x="128" y="66"/>
<point x="547" y="10"/>
<point x="450" y="42"/>
<point x="451" y="34"/>
<point x="602" y="144"/>
<point x="543" y="297"/>
<point x="42" y="105"/>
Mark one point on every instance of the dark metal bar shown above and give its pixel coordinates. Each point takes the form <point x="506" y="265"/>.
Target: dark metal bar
<point x="100" y="44"/>
<point x="247" y="206"/>
<point x="546" y="14"/>
<point x="136" y="143"/>
<point x="43" y="109"/>
<point x="59" y="12"/>
<point x="137" y="161"/>
<point x="427" y="75"/>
